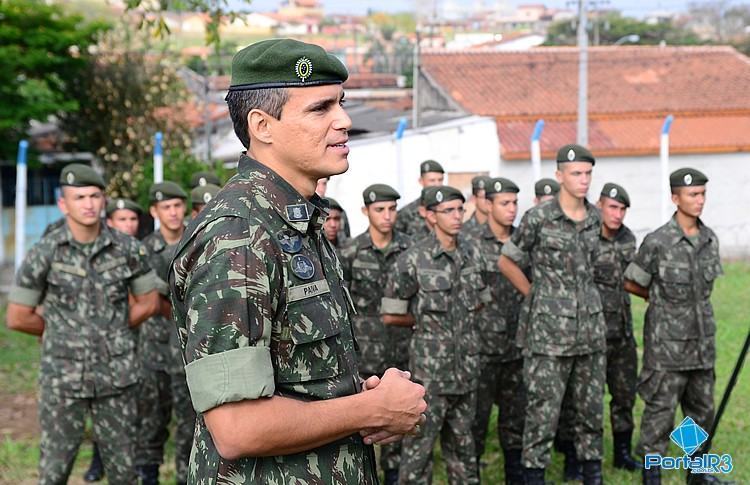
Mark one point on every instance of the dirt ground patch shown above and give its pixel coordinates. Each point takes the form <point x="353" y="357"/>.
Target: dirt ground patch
<point x="18" y="416"/>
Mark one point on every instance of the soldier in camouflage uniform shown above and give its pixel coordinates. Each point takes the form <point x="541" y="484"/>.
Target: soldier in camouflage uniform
<point x="409" y="221"/>
<point x="204" y="178"/>
<point x="367" y="260"/>
<point x="81" y="274"/>
<point x="616" y="251"/>
<point x="501" y="369"/>
<point x="200" y="196"/>
<point x="262" y="312"/>
<point x="477" y="220"/>
<point x="332" y="226"/>
<point x="344" y="231"/>
<point x="545" y="189"/>
<point x="441" y="278"/>
<point x="563" y="335"/>
<point x="675" y="269"/>
<point x="164" y="386"/>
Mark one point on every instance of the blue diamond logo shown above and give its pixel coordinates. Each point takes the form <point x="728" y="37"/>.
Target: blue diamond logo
<point x="689" y="436"/>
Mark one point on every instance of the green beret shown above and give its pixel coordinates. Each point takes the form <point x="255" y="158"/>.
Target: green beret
<point x="440" y="194"/>
<point x="80" y="175"/>
<point x="430" y="166"/>
<point x="203" y="178"/>
<point x="204" y="193"/>
<point x="574" y="153"/>
<point x="687" y="177"/>
<point x="546" y="187"/>
<point x="284" y="63"/>
<point x="120" y="203"/>
<point x="479" y="182"/>
<point x="332" y="204"/>
<point x="165" y="191"/>
<point x="616" y="192"/>
<point x="425" y="194"/>
<point x="500" y="185"/>
<point x="379" y="193"/>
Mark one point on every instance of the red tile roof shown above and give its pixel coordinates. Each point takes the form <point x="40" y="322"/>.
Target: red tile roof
<point x="631" y="89"/>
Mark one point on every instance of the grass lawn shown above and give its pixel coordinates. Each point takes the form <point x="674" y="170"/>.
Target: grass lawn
<point x="19" y="364"/>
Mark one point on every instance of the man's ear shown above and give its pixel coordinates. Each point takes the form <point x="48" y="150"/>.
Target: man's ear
<point x="62" y="205"/>
<point x="258" y="126"/>
<point x="431" y="217"/>
<point x="152" y="211"/>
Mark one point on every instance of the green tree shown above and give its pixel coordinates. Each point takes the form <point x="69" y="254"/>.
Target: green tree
<point x="42" y="51"/>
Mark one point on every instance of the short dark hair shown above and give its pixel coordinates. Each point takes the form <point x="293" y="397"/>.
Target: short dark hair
<point x="240" y="103"/>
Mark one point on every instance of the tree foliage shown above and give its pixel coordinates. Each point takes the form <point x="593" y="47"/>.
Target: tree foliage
<point x="42" y="51"/>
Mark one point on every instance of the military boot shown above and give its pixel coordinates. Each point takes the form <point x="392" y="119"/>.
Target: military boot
<point x="149" y="474"/>
<point x="592" y="472"/>
<point x="652" y="476"/>
<point x="621" y="450"/>
<point x="572" y="470"/>
<point x="96" y="469"/>
<point x="391" y="477"/>
<point x="533" y="476"/>
<point x="513" y="467"/>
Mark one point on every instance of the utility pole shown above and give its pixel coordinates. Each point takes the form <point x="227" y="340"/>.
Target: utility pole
<point x="583" y="61"/>
<point x="415" y="85"/>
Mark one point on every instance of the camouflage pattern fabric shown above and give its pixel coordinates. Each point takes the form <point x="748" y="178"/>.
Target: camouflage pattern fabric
<point x="262" y="310"/>
<point x="472" y="225"/>
<point x="366" y="270"/>
<point x="409" y="222"/>
<point x="662" y="392"/>
<point x="546" y="378"/>
<point x="166" y="388"/>
<point x="679" y="330"/>
<point x="501" y="370"/>
<point x="62" y="421"/>
<point x="89" y="360"/>
<point x="445" y="290"/>
<point x="622" y="376"/>
<point x="345" y="232"/>
<point x="563" y="330"/>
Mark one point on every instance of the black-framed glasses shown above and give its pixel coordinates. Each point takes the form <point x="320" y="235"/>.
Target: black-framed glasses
<point x="451" y="211"/>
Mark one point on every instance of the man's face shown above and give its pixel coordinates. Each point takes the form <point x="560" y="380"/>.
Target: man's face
<point x="690" y="200"/>
<point x="613" y="213"/>
<point x="124" y="220"/>
<point x="503" y="208"/>
<point x="82" y="204"/>
<point x="170" y="213"/>
<point x="575" y="177"/>
<point x="312" y="133"/>
<point x="332" y="225"/>
<point x="447" y="217"/>
<point x="322" y="187"/>
<point x="480" y="202"/>
<point x="382" y="215"/>
<point x="431" y="179"/>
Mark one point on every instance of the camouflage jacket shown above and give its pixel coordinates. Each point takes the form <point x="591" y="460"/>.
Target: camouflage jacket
<point x="366" y="269"/>
<point x="158" y="339"/>
<point x="472" y="227"/>
<point x="564" y="309"/>
<point x="262" y="310"/>
<point x="499" y="322"/>
<point x="680" y="326"/>
<point x="88" y="348"/>
<point x="409" y="221"/>
<point x="609" y="270"/>
<point x="446" y="291"/>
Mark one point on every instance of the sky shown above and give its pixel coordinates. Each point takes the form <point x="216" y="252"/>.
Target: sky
<point x="636" y="8"/>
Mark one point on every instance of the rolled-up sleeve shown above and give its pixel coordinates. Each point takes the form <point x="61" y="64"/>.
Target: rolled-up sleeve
<point x="521" y="242"/>
<point x="400" y="288"/>
<point x="31" y="279"/>
<point x="644" y="265"/>
<point x="229" y="311"/>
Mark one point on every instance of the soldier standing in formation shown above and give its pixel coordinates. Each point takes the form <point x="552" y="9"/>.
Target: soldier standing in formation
<point x="81" y="274"/>
<point x="332" y="225"/>
<point x="563" y="334"/>
<point x="124" y="215"/>
<point x="616" y="251"/>
<point x="479" y="218"/>
<point x="440" y="279"/>
<point x="344" y="231"/>
<point x="367" y="260"/>
<point x="200" y="196"/>
<point x="164" y="388"/>
<point x="674" y="270"/>
<point x="545" y="189"/>
<point x="409" y="222"/>
<point x="263" y="319"/>
<point x="501" y="369"/>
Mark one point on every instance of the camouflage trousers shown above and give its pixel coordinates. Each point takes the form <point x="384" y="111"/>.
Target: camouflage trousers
<point x="662" y="391"/>
<point x="622" y="375"/>
<point x="547" y="378"/>
<point x="500" y="383"/>
<point x="160" y="394"/>
<point x="449" y="417"/>
<point x="62" y="421"/>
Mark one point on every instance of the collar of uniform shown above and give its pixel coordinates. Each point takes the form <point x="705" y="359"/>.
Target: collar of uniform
<point x="619" y="235"/>
<point x="279" y="193"/>
<point x="158" y="243"/>
<point x="433" y="244"/>
<point x="678" y="234"/>
<point x="592" y="213"/>
<point x="364" y="241"/>
<point x="63" y="235"/>
<point x="488" y="234"/>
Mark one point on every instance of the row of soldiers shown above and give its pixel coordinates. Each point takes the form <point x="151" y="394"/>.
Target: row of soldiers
<point x="97" y="297"/>
<point x="533" y="318"/>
